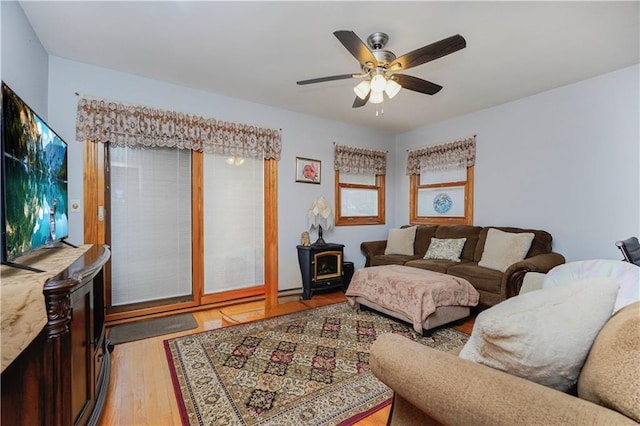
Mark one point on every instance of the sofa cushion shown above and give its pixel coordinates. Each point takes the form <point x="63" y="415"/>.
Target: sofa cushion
<point x="400" y="241"/>
<point x="532" y="281"/>
<point x="391" y="259"/>
<point x="461" y="231"/>
<point x="541" y="243"/>
<point x="436" y="265"/>
<point x="484" y="279"/>
<point x="448" y="249"/>
<point x="503" y="249"/>
<point x="424" y="233"/>
<point x="545" y="335"/>
<point x="611" y="375"/>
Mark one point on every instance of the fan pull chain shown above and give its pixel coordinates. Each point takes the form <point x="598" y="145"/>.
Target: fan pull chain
<point x="379" y="109"/>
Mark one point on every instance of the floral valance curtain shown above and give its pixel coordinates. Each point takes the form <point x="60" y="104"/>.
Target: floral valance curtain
<point x="348" y="159"/>
<point x="106" y="121"/>
<point x="460" y="153"/>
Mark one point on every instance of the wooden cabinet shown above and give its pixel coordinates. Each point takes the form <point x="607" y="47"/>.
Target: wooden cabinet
<point x="62" y="377"/>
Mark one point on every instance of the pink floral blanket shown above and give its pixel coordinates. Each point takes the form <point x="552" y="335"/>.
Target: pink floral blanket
<point x="412" y="292"/>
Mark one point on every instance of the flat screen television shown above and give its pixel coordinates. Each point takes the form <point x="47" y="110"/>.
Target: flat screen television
<point x="34" y="181"/>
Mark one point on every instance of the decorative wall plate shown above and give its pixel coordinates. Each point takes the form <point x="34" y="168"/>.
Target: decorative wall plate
<point x="442" y="203"/>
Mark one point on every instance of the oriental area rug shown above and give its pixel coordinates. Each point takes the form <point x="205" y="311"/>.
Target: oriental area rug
<point x="306" y="368"/>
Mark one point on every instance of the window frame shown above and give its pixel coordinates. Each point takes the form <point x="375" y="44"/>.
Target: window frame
<point x="380" y="186"/>
<point x="415" y="186"/>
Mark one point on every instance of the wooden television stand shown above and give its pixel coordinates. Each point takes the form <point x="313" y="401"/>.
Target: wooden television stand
<point x="61" y="377"/>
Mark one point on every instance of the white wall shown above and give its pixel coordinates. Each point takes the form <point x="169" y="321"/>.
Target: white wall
<point x="302" y="136"/>
<point x="565" y="161"/>
<point x="25" y="63"/>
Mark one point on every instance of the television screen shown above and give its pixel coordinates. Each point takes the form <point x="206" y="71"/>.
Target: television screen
<point x="34" y="180"/>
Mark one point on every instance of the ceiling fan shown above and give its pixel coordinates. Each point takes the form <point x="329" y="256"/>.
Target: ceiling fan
<point x="380" y="66"/>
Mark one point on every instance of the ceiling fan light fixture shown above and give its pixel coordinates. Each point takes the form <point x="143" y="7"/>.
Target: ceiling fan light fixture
<point x="378" y="83"/>
<point x="392" y="88"/>
<point x="376" y="97"/>
<point x="362" y="89"/>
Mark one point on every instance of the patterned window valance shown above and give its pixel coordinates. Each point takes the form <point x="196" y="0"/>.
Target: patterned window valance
<point x="461" y="153"/>
<point x="350" y="159"/>
<point x="101" y="120"/>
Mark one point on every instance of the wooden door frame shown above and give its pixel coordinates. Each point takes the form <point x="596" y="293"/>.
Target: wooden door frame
<point x="95" y="232"/>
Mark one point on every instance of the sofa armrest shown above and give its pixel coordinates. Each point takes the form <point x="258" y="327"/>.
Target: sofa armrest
<point x="372" y="248"/>
<point x="514" y="275"/>
<point x="454" y="391"/>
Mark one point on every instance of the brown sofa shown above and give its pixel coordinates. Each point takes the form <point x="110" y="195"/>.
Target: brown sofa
<point x="494" y="286"/>
<point x="432" y="387"/>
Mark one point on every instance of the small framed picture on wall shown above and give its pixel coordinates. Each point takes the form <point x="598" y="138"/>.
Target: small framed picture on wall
<point x="307" y="170"/>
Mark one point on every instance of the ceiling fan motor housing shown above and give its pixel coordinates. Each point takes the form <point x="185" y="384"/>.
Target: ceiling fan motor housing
<point x="377" y="41"/>
<point x="384" y="57"/>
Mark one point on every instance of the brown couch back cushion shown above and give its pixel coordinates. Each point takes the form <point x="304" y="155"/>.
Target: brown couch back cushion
<point x="541" y="241"/>
<point x="424" y="233"/>
<point x="460" y="231"/>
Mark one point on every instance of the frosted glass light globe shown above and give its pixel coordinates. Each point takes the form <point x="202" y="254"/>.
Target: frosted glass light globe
<point x="378" y="83"/>
<point x="376" y="97"/>
<point x="362" y="89"/>
<point x="392" y="88"/>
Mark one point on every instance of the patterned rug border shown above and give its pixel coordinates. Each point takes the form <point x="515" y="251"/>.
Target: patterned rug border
<point x="269" y="323"/>
<point x="356" y="418"/>
<point x="184" y="417"/>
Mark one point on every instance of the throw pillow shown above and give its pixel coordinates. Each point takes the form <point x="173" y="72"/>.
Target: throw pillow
<point x="400" y="241"/>
<point x="447" y="249"/>
<point x="544" y="335"/>
<point x="625" y="273"/>
<point x="532" y="281"/>
<point x="503" y="249"/>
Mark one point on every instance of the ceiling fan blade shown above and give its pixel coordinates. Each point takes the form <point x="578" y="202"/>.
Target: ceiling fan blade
<point x="330" y="78"/>
<point x="417" y="84"/>
<point x="428" y="53"/>
<point x="360" y="102"/>
<point x="356" y="47"/>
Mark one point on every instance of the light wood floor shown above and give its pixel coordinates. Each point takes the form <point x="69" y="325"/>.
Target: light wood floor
<point x="140" y="389"/>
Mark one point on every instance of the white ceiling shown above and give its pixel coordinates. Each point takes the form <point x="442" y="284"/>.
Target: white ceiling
<point x="258" y="50"/>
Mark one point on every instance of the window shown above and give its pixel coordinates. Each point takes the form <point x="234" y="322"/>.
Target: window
<point x="442" y="197"/>
<point x="359" y="185"/>
<point x="441" y="183"/>
<point x="360" y="199"/>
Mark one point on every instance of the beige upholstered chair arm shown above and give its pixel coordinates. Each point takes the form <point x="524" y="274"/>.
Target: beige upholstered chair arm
<point x="454" y="391"/>
<point x="372" y="248"/>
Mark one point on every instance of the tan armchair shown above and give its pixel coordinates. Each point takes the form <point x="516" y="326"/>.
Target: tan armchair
<point x="432" y="387"/>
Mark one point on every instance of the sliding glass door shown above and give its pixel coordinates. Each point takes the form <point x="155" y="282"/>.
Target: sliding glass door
<point x="233" y="223"/>
<point x="186" y="229"/>
<point x="150" y="225"/>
